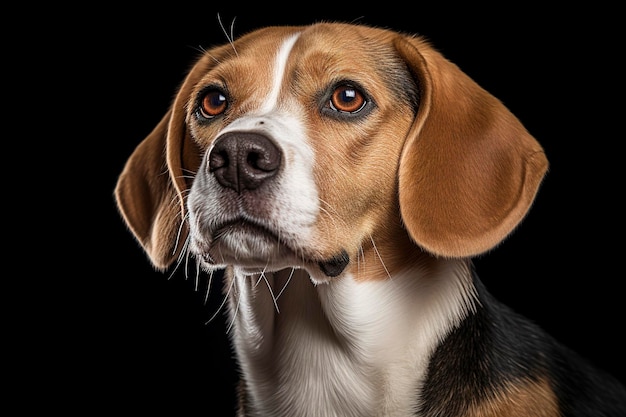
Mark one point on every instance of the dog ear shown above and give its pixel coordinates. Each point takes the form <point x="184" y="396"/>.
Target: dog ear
<point x="150" y="192"/>
<point x="469" y="170"/>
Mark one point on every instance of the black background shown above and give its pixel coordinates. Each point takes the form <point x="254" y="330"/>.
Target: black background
<point x="130" y="338"/>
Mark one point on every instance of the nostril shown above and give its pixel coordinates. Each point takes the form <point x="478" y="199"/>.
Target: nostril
<point x="253" y="159"/>
<point x="218" y="160"/>
<point x="263" y="157"/>
<point x="244" y="160"/>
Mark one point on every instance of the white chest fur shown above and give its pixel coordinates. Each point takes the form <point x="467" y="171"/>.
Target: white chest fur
<point x="344" y="348"/>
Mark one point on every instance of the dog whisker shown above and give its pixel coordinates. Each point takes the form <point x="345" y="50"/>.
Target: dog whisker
<point x="360" y="259"/>
<point x="183" y="255"/>
<point x="187" y="174"/>
<point x="234" y="313"/>
<point x="208" y="286"/>
<point x="224" y="300"/>
<point x="200" y="49"/>
<point x="179" y="234"/>
<point x="258" y="281"/>
<point x="286" y="283"/>
<point x="332" y="215"/>
<point x="196" y="278"/>
<point x="229" y="36"/>
<point x="189" y="171"/>
<point x="380" y="257"/>
<point x="269" y="287"/>
<point x="175" y="201"/>
<point x="190" y="258"/>
<point x="329" y="208"/>
<point x="217" y="61"/>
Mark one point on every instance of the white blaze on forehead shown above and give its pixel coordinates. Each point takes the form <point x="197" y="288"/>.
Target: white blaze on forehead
<point x="291" y="204"/>
<point x="280" y="65"/>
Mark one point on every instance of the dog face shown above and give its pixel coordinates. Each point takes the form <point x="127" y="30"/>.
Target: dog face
<point x="335" y="148"/>
<point x="273" y="144"/>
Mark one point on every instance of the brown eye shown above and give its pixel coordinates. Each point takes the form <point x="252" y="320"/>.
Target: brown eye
<point x="347" y="99"/>
<point x="213" y="104"/>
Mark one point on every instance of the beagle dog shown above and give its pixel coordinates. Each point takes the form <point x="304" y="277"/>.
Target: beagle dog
<point x="342" y="177"/>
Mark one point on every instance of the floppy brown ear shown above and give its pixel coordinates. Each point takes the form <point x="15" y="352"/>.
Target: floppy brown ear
<point x="469" y="171"/>
<point x="150" y="192"/>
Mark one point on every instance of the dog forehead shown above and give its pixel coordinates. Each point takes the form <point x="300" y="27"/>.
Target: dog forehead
<point x="262" y="63"/>
<point x="322" y="44"/>
<point x="331" y="38"/>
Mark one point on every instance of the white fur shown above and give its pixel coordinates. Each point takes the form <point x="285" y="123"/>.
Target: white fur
<point x="344" y="348"/>
<point x="279" y="73"/>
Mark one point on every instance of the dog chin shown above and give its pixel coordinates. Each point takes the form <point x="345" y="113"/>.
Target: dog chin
<point x="261" y="251"/>
<point x="243" y="244"/>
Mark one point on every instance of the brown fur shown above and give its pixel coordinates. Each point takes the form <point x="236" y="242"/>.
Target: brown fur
<point x="530" y="399"/>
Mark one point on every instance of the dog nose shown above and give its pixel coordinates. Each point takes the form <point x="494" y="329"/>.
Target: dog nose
<point x="244" y="160"/>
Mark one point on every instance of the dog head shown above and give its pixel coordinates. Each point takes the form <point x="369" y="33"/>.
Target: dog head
<point x="325" y="147"/>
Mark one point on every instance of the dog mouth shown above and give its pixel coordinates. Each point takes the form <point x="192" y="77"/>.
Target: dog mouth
<point x="255" y="247"/>
<point x="241" y="241"/>
<point x="243" y="227"/>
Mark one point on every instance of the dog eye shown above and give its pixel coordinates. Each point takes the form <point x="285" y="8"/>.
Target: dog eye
<point x="213" y="104"/>
<point x="347" y="99"/>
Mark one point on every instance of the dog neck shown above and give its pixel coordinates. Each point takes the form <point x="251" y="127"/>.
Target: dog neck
<point x="346" y="347"/>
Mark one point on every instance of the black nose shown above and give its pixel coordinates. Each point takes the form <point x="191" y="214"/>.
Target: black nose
<point x="244" y="160"/>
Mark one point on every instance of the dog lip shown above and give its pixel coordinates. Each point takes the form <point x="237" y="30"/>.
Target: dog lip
<point x="240" y="241"/>
<point x="274" y="247"/>
<point x="243" y="225"/>
<point x="334" y="266"/>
